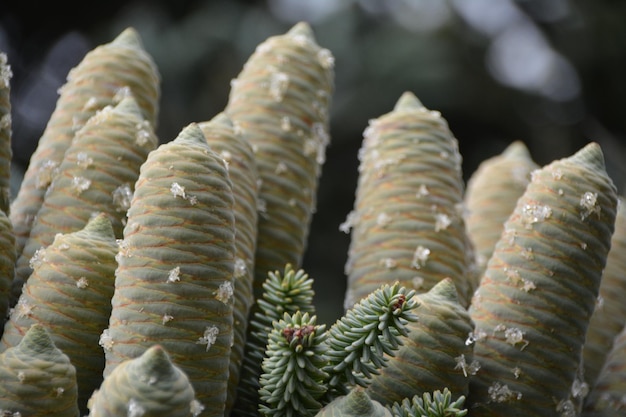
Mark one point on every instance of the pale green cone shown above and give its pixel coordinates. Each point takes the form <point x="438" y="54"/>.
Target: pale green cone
<point x="434" y="353"/>
<point x="37" y="378"/>
<point x="69" y="293"/>
<point x="147" y="386"/>
<point x="174" y="281"/>
<point x="609" y="316"/>
<point x="406" y="223"/>
<point x="532" y="308"/>
<point x="280" y="101"/>
<point x="97" y="174"/>
<point x="491" y="194"/>
<point x="242" y="171"/>
<point x="6" y="152"/>
<point x="102" y="78"/>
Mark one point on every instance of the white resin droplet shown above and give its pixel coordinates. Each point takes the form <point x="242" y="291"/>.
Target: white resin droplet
<point x="122" y="197"/>
<point x="174" y="275"/>
<point x="106" y="341"/>
<point x="420" y="257"/>
<point x="535" y="213"/>
<point x="240" y="268"/>
<point x="80" y="184"/>
<point x="278" y="85"/>
<point x="224" y="292"/>
<point x="589" y="204"/>
<point x="83" y="160"/>
<point x="209" y="337"/>
<point x="177" y="190"/>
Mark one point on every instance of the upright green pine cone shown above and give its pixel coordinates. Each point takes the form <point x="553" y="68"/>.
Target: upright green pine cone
<point x="97" y="174"/>
<point x="532" y="308"/>
<point x="37" y="378"/>
<point x="174" y="280"/>
<point x="243" y="174"/>
<point x="281" y="101"/>
<point x="491" y="194"/>
<point x="609" y="316"/>
<point x="433" y="354"/>
<point x="406" y="223"/>
<point x="70" y="294"/>
<point x="147" y="386"/>
<point x="102" y="78"/>
<point x="6" y="152"/>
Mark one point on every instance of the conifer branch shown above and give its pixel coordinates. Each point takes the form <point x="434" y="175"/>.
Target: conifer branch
<point x="358" y="342"/>
<point x="284" y="293"/>
<point x="439" y="404"/>
<point x="293" y="380"/>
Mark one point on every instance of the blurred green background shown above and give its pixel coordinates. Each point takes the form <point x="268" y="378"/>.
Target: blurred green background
<point x="547" y="72"/>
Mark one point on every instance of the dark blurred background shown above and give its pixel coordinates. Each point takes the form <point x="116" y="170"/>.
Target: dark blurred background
<point x="551" y="73"/>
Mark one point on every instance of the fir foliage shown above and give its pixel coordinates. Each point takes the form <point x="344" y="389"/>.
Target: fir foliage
<point x="359" y="340"/>
<point x="283" y="293"/>
<point x="293" y="381"/>
<point x="439" y="404"/>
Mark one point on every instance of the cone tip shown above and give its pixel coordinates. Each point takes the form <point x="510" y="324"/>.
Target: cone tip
<point x="128" y="37"/>
<point x="192" y="133"/>
<point x="301" y="29"/>
<point x="590" y="155"/>
<point x="408" y="101"/>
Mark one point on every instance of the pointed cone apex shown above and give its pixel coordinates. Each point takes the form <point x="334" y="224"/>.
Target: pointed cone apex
<point x="37" y="340"/>
<point x="301" y="29"/>
<point x="221" y="119"/>
<point x="408" y="101"/>
<point x="446" y="289"/>
<point x="516" y="149"/>
<point x="590" y="156"/>
<point x="129" y="37"/>
<point x="100" y="225"/>
<point x="191" y="134"/>
<point x="155" y="362"/>
<point x="129" y="105"/>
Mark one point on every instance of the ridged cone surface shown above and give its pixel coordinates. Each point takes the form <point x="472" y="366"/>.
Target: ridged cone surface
<point x="280" y="101"/>
<point x="37" y="378"/>
<point x="174" y="281"/>
<point x="406" y="222"/>
<point x="69" y="293"/>
<point x="433" y="355"/>
<point x="491" y="194"/>
<point x="102" y="78"/>
<point x="356" y="403"/>
<point x="237" y="153"/>
<point x="7" y="265"/>
<point x="97" y="174"/>
<point x="532" y="308"/>
<point x="147" y="386"/>
<point x="609" y="316"/>
<point x="607" y="397"/>
<point x="6" y="152"/>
